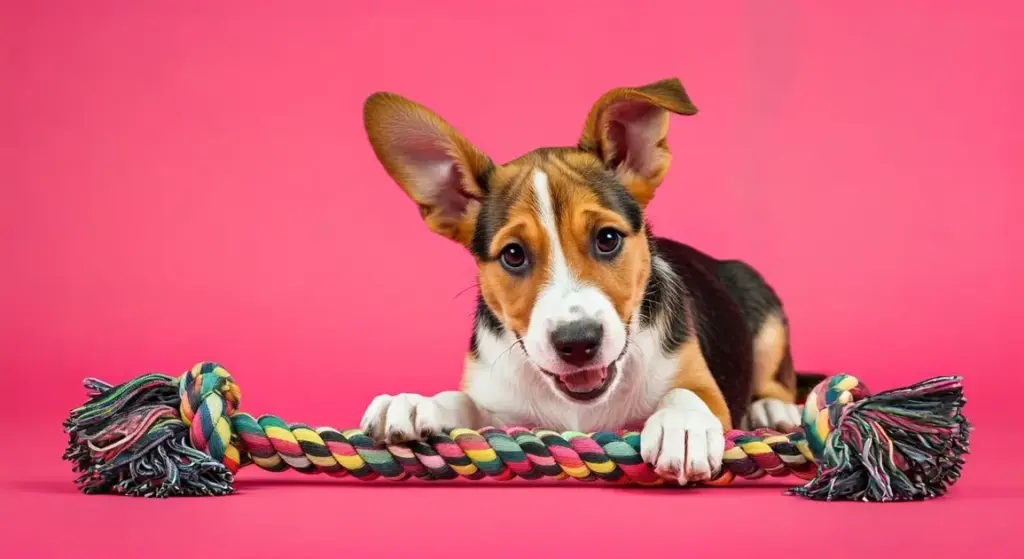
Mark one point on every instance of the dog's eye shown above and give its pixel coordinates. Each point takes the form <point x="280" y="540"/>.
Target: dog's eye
<point x="513" y="258"/>
<point x="607" y="242"/>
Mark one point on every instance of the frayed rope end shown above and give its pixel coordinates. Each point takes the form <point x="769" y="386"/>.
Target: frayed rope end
<point x="904" y="444"/>
<point x="129" y="439"/>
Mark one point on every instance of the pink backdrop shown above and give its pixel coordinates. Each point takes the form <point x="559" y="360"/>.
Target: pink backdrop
<point x="184" y="183"/>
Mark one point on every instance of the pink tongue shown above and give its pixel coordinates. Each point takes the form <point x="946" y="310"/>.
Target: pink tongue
<point x="584" y="380"/>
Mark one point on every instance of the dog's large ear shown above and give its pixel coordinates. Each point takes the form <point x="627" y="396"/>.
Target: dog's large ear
<point x="435" y="165"/>
<point x="627" y="129"/>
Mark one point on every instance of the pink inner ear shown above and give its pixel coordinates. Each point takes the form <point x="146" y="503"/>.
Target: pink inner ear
<point x="634" y="129"/>
<point x="450" y="197"/>
<point x="436" y="174"/>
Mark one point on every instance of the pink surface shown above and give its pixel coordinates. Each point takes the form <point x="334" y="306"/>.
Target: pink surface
<point x="184" y="181"/>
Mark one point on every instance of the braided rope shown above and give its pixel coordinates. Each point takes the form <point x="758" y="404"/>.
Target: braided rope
<point x="157" y="435"/>
<point x="210" y="398"/>
<point x="501" y="454"/>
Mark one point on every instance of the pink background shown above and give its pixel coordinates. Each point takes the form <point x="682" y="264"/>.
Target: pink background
<point x="186" y="181"/>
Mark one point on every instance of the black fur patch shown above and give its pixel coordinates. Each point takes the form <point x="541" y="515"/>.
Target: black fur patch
<point x="665" y="301"/>
<point x="717" y="319"/>
<point x="493" y="214"/>
<point x="757" y="300"/>
<point x="484" y="319"/>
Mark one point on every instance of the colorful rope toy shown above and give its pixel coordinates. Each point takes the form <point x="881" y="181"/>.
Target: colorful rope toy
<point x="161" y="436"/>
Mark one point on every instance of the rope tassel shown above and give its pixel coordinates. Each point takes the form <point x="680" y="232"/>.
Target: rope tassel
<point x="161" y="436"/>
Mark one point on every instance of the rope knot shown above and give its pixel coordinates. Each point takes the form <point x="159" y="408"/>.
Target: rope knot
<point x="160" y="436"/>
<point x="827" y="406"/>
<point x="209" y="397"/>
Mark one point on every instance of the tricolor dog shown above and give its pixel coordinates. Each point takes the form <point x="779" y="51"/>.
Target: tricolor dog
<point x="585" y="320"/>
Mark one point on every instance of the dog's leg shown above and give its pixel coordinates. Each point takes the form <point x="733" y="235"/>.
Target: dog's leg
<point x="684" y="439"/>
<point x="412" y="417"/>
<point x="774" y="382"/>
<point x="774" y="387"/>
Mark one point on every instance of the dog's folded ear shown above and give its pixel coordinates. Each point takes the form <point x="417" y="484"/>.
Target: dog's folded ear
<point x="627" y="129"/>
<point x="435" y="165"/>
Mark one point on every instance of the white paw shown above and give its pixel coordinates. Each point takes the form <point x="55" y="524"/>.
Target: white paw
<point x="774" y="414"/>
<point x="404" y="417"/>
<point x="683" y="444"/>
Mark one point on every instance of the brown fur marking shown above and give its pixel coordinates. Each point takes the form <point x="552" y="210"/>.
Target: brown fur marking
<point x="512" y="297"/>
<point x="579" y="214"/>
<point x="628" y="128"/>
<point x="695" y="376"/>
<point x="396" y="127"/>
<point x="773" y="369"/>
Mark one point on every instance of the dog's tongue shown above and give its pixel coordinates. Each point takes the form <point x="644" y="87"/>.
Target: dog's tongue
<point x="584" y="381"/>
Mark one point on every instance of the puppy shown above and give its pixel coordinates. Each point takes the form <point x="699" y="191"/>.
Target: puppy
<point x="585" y="320"/>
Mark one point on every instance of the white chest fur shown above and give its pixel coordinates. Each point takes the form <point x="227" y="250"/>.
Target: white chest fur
<point x="506" y="385"/>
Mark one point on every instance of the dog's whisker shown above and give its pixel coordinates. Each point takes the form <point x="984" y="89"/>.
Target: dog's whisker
<point x="646" y="319"/>
<point x="631" y="344"/>
<point x="506" y="353"/>
<point x="460" y="293"/>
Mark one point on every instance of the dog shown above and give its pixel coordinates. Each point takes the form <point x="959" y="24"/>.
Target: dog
<point x="585" y="320"/>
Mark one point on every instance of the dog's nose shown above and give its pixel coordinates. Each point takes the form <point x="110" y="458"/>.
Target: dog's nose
<point x="577" y="342"/>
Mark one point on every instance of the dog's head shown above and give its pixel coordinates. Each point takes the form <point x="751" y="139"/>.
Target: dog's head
<point x="558" y="233"/>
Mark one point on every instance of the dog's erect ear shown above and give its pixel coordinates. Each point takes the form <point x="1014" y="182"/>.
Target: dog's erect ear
<point x="435" y="166"/>
<point x="627" y="128"/>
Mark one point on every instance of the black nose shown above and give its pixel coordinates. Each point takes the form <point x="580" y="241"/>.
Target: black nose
<point x="577" y="342"/>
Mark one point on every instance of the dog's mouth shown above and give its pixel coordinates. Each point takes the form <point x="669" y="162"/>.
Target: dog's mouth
<point x="585" y="385"/>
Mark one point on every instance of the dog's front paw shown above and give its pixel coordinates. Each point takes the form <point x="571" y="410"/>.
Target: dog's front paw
<point x="411" y="417"/>
<point x="771" y="413"/>
<point x="683" y="445"/>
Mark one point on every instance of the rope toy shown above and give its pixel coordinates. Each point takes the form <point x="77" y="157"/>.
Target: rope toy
<point x="161" y="436"/>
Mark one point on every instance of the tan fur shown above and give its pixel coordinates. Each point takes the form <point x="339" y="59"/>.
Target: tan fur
<point x="580" y="215"/>
<point x="622" y="280"/>
<point x="512" y="298"/>
<point x="695" y="375"/>
<point x="773" y="371"/>
<point x="652" y="104"/>
<point x="393" y="122"/>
